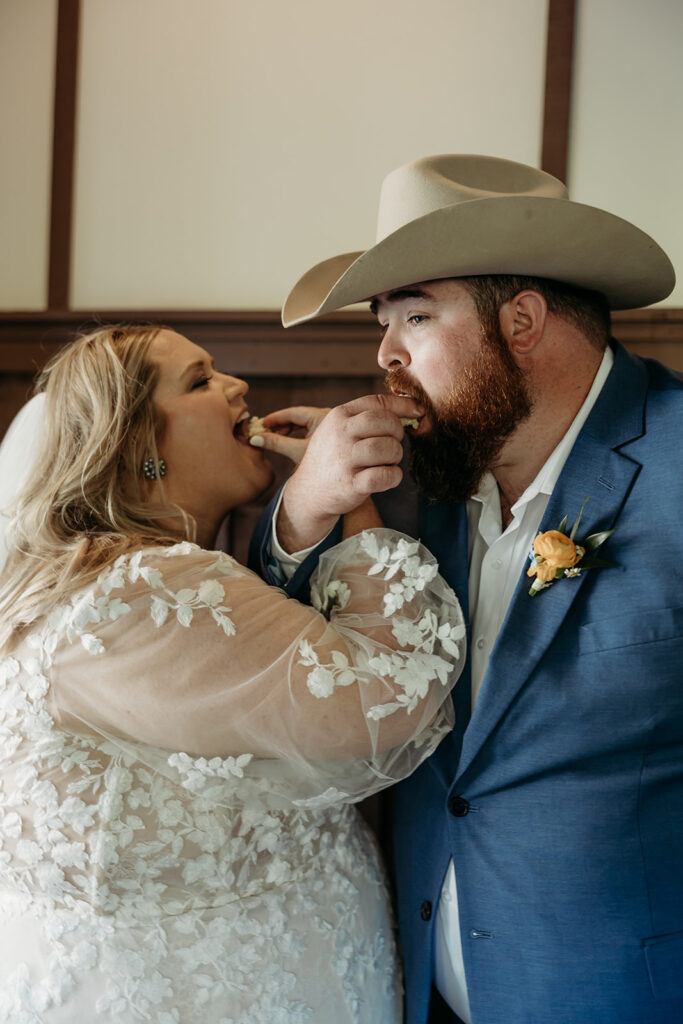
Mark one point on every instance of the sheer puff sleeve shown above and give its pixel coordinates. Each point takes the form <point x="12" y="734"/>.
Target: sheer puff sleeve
<point x="188" y="661"/>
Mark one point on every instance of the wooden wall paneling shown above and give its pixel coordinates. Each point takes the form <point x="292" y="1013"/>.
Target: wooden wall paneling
<point x="252" y="342"/>
<point x="558" y="87"/>
<point x="63" y="148"/>
<point x="255" y="343"/>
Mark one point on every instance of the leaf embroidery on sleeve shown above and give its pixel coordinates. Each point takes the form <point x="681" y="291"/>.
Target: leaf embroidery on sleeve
<point x="86" y="608"/>
<point x="199" y="774"/>
<point x="411" y="668"/>
<point x="324" y="678"/>
<point x="187" y="601"/>
<point x="208" y="595"/>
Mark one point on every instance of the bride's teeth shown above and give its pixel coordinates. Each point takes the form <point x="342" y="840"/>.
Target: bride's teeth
<point x="243" y="416"/>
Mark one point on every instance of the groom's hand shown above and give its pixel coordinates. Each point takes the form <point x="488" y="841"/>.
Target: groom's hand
<point x="353" y="453"/>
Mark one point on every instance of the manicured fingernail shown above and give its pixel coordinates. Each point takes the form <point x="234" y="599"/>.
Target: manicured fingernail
<point x="257" y="441"/>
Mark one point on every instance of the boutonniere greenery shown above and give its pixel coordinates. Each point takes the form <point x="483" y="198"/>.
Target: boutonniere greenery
<point x="556" y="554"/>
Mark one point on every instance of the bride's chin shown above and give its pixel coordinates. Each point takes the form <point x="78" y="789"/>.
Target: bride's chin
<point x="268" y="475"/>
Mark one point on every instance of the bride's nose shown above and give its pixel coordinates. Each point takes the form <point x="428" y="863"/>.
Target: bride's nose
<point x="234" y="387"/>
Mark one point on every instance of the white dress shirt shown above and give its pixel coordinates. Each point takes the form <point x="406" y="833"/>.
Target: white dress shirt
<point x="497" y="558"/>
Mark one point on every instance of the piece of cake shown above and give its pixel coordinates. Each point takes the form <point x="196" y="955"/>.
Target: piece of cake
<point x="255" y="426"/>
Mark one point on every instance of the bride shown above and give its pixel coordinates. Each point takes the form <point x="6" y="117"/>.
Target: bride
<point x="182" y="745"/>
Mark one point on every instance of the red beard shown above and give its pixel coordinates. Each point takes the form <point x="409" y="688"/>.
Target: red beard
<point x="470" y="427"/>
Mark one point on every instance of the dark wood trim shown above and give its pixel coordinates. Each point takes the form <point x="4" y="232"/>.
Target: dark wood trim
<point x="558" y="87"/>
<point x="63" y="147"/>
<point x="249" y="343"/>
<point x="254" y="343"/>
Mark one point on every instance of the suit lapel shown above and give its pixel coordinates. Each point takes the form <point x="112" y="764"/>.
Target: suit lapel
<point x="595" y="470"/>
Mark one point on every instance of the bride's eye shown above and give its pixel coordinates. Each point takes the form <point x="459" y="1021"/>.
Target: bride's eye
<point x="201" y="382"/>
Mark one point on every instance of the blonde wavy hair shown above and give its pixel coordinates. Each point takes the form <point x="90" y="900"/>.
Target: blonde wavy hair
<point x="83" y="504"/>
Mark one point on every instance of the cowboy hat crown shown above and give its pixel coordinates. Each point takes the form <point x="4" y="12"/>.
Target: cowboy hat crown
<point x="462" y="215"/>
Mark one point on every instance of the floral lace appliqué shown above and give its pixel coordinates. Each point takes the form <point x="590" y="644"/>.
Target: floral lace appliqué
<point x="410" y="670"/>
<point x="128" y="895"/>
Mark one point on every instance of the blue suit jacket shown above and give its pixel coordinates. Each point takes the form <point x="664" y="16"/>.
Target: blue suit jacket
<point x="567" y="839"/>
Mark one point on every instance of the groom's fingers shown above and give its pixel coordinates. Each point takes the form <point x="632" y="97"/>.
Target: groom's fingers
<point x="375" y="479"/>
<point x="354" y="452"/>
<point x="382" y="450"/>
<point x="382" y="406"/>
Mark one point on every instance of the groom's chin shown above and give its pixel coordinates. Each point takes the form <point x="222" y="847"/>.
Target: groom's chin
<point x="442" y="472"/>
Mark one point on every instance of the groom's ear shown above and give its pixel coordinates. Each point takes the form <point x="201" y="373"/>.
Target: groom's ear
<point x="522" y="321"/>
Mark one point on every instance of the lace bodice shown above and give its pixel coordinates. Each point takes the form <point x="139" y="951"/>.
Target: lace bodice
<point x="180" y="746"/>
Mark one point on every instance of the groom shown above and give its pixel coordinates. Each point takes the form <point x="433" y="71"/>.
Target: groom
<point x="539" y="852"/>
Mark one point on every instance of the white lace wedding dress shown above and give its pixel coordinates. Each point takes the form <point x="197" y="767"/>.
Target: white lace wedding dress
<point x="180" y="748"/>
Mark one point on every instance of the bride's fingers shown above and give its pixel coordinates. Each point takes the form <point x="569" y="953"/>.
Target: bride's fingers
<point x="306" y="416"/>
<point x="291" y="447"/>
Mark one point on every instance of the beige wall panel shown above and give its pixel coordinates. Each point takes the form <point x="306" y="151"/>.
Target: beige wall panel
<point x="27" y="59"/>
<point x="626" y="150"/>
<point x="226" y="145"/>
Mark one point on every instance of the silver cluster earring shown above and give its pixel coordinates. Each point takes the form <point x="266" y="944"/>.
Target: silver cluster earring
<point x="150" y="467"/>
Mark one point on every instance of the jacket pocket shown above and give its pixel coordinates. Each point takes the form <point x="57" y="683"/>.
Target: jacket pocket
<point x="632" y="629"/>
<point x="664" y="958"/>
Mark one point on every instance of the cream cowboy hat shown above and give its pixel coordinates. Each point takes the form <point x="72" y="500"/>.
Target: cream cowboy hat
<point x="457" y="216"/>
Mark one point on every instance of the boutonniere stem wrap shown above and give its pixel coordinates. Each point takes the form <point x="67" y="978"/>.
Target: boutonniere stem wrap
<point x="556" y="554"/>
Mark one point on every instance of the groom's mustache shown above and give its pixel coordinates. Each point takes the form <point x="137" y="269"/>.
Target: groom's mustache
<point x="399" y="381"/>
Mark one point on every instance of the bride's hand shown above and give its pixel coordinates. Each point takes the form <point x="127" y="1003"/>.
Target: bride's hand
<point x="304" y="419"/>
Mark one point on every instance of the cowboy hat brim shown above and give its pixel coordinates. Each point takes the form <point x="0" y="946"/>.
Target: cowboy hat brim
<point x="533" y="236"/>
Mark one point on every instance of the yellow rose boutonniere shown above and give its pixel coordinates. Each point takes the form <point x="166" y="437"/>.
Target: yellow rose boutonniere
<point x="556" y="554"/>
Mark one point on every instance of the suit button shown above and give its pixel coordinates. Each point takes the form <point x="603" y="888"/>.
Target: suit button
<point x="458" y="806"/>
<point x="426" y="910"/>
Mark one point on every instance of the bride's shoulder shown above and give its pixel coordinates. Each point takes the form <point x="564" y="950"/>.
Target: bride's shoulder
<point x="156" y="565"/>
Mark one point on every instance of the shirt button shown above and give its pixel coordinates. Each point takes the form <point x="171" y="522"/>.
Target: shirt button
<point x="458" y="806"/>
<point x="481" y="642"/>
<point x="498" y="564"/>
<point x="426" y="910"/>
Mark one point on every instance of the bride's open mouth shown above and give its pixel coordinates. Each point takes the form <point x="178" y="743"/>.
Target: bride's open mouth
<point x="247" y="426"/>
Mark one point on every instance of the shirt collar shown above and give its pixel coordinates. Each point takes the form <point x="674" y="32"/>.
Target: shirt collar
<point x="546" y="478"/>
